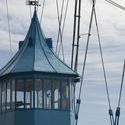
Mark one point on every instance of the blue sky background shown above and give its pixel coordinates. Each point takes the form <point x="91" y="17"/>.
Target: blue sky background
<point x="94" y="108"/>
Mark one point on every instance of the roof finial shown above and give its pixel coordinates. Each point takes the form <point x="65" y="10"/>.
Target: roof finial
<point x="33" y="3"/>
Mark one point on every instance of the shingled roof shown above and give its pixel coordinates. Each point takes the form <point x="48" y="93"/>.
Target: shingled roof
<point x="35" y="55"/>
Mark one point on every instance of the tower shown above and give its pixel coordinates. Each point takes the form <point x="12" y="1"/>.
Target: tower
<point x="36" y="87"/>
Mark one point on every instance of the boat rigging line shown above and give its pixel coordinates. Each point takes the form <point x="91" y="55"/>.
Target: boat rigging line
<point x="115" y="4"/>
<point x="84" y="65"/>
<point x="104" y="72"/>
<point x="59" y="36"/>
<point x="59" y="21"/>
<point x="117" y="113"/>
<point x="63" y="26"/>
<point x="113" y="120"/>
<point x="9" y="32"/>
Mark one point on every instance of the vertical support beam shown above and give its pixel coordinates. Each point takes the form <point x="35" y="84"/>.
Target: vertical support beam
<point x="6" y="82"/>
<point x="60" y="94"/>
<point x="11" y="94"/>
<point x="24" y="93"/>
<point x="34" y="93"/>
<point x="42" y="93"/>
<point x="68" y="82"/>
<point x="78" y="36"/>
<point x="52" y="95"/>
<point x="15" y="92"/>
<point x="1" y="96"/>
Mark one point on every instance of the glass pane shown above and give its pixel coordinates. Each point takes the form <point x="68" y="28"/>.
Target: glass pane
<point x="65" y="95"/>
<point x="47" y="94"/>
<point x="29" y="94"/>
<point x="3" y="96"/>
<point x="20" y="94"/>
<point x="12" y="97"/>
<point x="56" y="90"/>
<point x="38" y="93"/>
<point x="8" y="95"/>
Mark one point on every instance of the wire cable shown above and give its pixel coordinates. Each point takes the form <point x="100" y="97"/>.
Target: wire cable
<point x="9" y="32"/>
<point x="117" y="114"/>
<point x="122" y="81"/>
<point x="63" y="27"/>
<point x="115" y="4"/>
<point x="59" y="36"/>
<point x="104" y="72"/>
<point x="84" y="65"/>
<point x="60" y="31"/>
<point x="103" y="65"/>
<point x="59" y="21"/>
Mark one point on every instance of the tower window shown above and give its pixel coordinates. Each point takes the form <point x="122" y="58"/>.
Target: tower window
<point x="38" y="93"/>
<point x="47" y="94"/>
<point x="56" y="95"/>
<point x="29" y="94"/>
<point x="65" y="95"/>
<point x="12" y="96"/>
<point x="3" y="96"/>
<point x="8" y="95"/>
<point x="20" y="94"/>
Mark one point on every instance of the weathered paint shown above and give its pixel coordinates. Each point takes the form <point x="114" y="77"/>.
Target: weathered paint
<point x="37" y="117"/>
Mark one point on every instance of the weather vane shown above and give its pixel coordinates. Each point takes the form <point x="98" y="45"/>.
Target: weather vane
<point x="33" y="3"/>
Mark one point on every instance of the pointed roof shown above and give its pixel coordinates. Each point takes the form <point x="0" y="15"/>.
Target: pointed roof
<point x="35" y="55"/>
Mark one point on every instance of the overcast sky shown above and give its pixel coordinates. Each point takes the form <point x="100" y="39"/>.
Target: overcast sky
<point x="111" y="20"/>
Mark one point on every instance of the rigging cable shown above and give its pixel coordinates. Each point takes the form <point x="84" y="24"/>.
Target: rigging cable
<point x="120" y="93"/>
<point x="43" y="6"/>
<point x="104" y="72"/>
<point x="59" y="20"/>
<point x="63" y="26"/>
<point x="115" y="4"/>
<point x="117" y="113"/>
<point x="9" y="32"/>
<point x="60" y="23"/>
<point x="84" y="65"/>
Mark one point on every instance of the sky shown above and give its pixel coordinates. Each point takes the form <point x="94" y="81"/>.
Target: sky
<point x="111" y="21"/>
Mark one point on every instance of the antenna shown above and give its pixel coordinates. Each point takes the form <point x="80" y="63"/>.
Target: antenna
<point x="33" y="3"/>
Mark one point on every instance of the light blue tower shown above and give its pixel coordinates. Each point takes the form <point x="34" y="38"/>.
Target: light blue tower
<point x="36" y="87"/>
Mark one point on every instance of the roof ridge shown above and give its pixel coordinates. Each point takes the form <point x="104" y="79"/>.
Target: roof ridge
<point x="44" y="51"/>
<point x="34" y="46"/>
